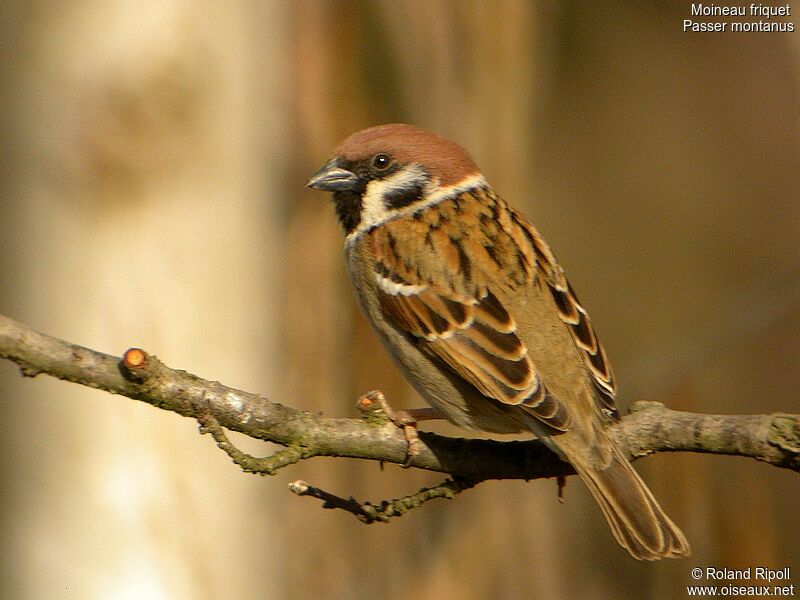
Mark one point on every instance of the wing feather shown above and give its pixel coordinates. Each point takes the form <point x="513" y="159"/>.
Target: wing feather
<point x="451" y="313"/>
<point x="576" y="318"/>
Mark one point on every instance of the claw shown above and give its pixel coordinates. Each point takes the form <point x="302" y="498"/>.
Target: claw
<point x="405" y="419"/>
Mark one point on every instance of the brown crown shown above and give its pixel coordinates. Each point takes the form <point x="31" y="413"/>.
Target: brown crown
<point x="441" y="158"/>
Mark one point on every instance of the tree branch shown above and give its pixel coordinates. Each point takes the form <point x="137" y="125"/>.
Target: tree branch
<point x="383" y="512"/>
<point x="650" y="428"/>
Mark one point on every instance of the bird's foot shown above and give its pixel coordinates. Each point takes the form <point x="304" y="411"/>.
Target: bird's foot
<point x="405" y="419"/>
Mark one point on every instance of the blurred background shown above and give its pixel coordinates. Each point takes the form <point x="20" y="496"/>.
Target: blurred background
<point x="154" y="156"/>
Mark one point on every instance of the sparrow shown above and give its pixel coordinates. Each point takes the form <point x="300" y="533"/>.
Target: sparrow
<point x="476" y="312"/>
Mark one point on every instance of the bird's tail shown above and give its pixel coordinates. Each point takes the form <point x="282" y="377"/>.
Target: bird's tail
<point x="637" y="521"/>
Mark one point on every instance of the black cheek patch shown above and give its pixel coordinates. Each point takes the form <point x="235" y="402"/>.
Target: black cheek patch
<point x="400" y="197"/>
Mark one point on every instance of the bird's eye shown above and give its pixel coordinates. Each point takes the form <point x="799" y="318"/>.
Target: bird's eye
<point x="381" y="161"/>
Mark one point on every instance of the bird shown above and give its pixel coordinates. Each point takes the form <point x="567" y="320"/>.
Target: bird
<point x="479" y="317"/>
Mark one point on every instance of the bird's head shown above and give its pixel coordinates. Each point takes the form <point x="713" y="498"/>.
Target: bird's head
<point x="382" y="172"/>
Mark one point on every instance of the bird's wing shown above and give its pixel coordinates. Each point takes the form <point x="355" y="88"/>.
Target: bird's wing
<point x="476" y="338"/>
<point x="574" y="316"/>
<point x="446" y="306"/>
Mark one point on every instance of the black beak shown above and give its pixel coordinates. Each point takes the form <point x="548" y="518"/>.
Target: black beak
<point x="333" y="178"/>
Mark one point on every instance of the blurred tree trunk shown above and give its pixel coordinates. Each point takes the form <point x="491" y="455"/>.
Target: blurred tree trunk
<point x="136" y="212"/>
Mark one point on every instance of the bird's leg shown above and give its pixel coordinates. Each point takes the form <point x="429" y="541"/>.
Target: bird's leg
<point x="405" y="419"/>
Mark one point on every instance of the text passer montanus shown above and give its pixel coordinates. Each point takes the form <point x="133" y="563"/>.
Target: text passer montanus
<point x="477" y="313"/>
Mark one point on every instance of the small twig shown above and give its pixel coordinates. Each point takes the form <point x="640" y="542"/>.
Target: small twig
<point x="267" y="465"/>
<point x="561" y="482"/>
<point x="387" y="509"/>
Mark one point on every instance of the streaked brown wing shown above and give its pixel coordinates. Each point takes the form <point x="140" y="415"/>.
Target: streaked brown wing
<point x="435" y="271"/>
<point x="575" y="317"/>
<point x="477" y="339"/>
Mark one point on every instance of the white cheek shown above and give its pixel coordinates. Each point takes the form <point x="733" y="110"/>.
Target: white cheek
<point x="373" y="209"/>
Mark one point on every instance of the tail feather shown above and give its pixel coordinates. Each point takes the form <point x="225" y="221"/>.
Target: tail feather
<point x="637" y="521"/>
